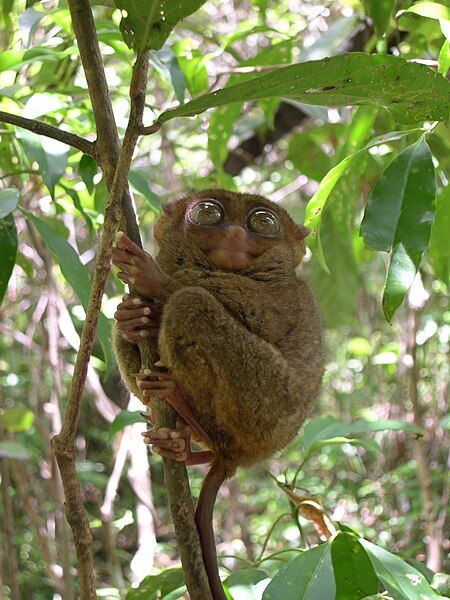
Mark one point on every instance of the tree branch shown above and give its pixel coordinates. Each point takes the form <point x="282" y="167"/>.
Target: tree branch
<point x="119" y="207"/>
<point x="51" y="132"/>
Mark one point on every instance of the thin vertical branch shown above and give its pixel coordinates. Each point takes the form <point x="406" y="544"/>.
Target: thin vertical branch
<point x="11" y="554"/>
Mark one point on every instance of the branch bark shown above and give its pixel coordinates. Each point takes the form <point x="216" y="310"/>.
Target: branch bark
<point x="49" y="131"/>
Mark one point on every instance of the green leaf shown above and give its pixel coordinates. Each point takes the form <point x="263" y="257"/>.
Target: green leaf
<point x="401" y="580"/>
<point x="159" y="586"/>
<point x="139" y="182"/>
<point x="8" y="244"/>
<point x="432" y="10"/>
<point x="325" y="429"/>
<point x="147" y="25"/>
<point x="50" y="155"/>
<point x="77" y="203"/>
<point x="9" y="199"/>
<point x="439" y="249"/>
<point x="399" y="216"/>
<point x="221" y="126"/>
<point x="13" y="450"/>
<point x="444" y="59"/>
<point x="88" y="170"/>
<point x="308" y="576"/>
<point x="16" y="418"/>
<point x="77" y="276"/>
<point x="122" y="420"/>
<point x="14" y="60"/>
<point x="410" y="91"/>
<point x="380" y="12"/>
<point x="353" y="571"/>
<point x="247" y="584"/>
<point x="319" y="200"/>
<point x="340" y="440"/>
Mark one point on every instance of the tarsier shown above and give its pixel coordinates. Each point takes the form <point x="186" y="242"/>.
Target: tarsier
<point x="237" y="332"/>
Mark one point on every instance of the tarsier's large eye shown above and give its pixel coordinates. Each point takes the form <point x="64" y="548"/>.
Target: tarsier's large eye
<point x="206" y="213"/>
<point x="263" y="222"/>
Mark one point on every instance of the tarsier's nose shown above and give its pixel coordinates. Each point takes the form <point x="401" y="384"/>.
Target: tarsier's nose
<point x="236" y="232"/>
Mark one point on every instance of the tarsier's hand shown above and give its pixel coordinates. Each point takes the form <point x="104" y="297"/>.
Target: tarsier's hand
<point x="137" y="319"/>
<point x="137" y="267"/>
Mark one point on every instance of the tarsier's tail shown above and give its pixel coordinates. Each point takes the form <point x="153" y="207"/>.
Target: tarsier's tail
<point x="203" y="517"/>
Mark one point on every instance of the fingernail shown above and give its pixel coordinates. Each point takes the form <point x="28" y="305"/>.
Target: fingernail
<point x="143" y="333"/>
<point x="147" y="372"/>
<point x="137" y="300"/>
<point x="145" y="320"/>
<point x="156" y="449"/>
<point x="174" y="435"/>
<point x="147" y="311"/>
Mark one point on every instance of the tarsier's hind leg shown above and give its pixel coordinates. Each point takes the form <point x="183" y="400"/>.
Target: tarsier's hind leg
<point x="244" y="374"/>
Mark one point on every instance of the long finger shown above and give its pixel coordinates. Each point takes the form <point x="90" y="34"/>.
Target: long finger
<point x="155" y="385"/>
<point x="121" y="256"/>
<point x="147" y="374"/>
<point x="124" y="243"/>
<point x="179" y="457"/>
<point x="132" y="313"/>
<point x="139" y="322"/>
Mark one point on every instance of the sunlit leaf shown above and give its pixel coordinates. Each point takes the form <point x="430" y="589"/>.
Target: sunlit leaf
<point x="154" y="587"/>
<point x="401" y="580"/>
<point x="432" y="10"/>
<point x="444" y="58"/>
<point x="439" y="250"/>
<point x="247" y="584"/>
<point x="77" y="276"/>
<point x="8" y="245"/>
<point x="148" y="24"/>
<point x="410" y="91"/>
<point x="353" y="571"/>
<point x="16" y="418"/>
<point x="308" y="576"/>
<point x="50" y="155"/>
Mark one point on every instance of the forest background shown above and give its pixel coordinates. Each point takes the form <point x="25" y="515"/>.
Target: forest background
<point x="358" y="148"/>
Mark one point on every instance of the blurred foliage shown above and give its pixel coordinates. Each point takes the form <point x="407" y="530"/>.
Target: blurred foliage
<point x="373" y="459"/>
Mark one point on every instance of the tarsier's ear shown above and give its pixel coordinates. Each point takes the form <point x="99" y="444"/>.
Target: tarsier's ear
<point x="302" y="231"/>
<point x="168" y="207"/>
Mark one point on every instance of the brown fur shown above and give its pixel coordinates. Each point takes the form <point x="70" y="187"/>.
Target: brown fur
<point x="244" y="346"/>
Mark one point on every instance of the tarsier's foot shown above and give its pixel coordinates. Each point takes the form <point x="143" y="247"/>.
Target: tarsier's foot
<point x="154" y="383"/>
<point x="176" y="444"/>
<point x="137" y="319"/>
<point x="160" y="384"/>
<point x="171" y="443"/>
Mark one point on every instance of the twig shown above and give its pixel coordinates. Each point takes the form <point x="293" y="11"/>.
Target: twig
<point x="49" y="131"/>
<point x="150" y="129"/>
<point x="11" y="552"/>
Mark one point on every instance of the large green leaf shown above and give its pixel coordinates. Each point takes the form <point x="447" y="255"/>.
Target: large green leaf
<point x="319" y="200"/>
<point x="399" y="216"/>
<point x="402" y="581"/>
<point x="8" y="245"/>
<point x="353" y="571"/>
<point x="380" y="12"/>
<point x="410" y="91"/>
<point x="308" y="576"/>
<point x="432" y="10"/>
<point x="77" y="276"/>
<point x="439" y="249"/>
<point x="147" y="25"/>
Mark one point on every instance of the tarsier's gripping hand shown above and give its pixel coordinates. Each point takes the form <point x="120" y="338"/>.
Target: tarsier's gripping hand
<point x="137" y="319"/>
<point x="137" y="268"/>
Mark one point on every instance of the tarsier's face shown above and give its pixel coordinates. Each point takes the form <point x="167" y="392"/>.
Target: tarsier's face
<point x="231" y="241"/>
<point x="232" y="229"/>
